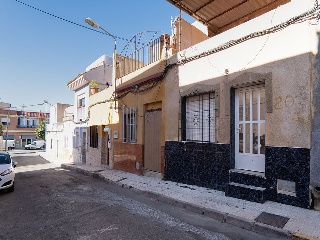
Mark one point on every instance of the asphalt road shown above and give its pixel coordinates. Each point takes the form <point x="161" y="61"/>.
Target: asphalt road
<point x="53" y="203"/>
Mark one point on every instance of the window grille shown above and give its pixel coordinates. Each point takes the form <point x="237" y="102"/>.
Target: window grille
<point x="200" y="118"/>
<point x="129" y="124"/>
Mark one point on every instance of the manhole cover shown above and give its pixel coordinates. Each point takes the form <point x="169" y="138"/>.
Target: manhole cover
<point x="272" y="219"/>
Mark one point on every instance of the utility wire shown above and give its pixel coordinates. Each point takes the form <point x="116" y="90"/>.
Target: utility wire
<point x="66" y="20"/>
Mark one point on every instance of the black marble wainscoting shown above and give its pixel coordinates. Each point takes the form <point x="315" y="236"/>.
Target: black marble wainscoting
<point x="201" y="164"/>
<point x="289" y="164"/>
<point x="247" y="185"/>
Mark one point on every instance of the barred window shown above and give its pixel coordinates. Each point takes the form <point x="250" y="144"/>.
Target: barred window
<point x="94" y="136"/>
<point x="200" y="118"/>
<point x="129" y="124"/>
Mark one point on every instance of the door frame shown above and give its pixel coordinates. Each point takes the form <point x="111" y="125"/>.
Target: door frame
<point x="248" y="161"/>
<point x="153" y="164"/>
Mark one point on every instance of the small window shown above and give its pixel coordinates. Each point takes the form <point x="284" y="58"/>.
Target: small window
<point x="94" y="136"/>
<point x="81" y="102"/>
<point x="5" y="121"/>
<point x="200" y="118"/>
<point x="129" y="124"/>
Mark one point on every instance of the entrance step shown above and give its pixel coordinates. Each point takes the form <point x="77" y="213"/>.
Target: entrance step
<point x="256" y="179"/>
<point x="246" y="192"/>
<point x="247" y="185"/>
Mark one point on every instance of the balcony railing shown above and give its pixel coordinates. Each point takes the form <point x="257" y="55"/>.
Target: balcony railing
<point x="149" y="53"/>
<point x="26" y="126"/>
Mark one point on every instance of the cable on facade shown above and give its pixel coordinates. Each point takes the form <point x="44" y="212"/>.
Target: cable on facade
<point x="311" y="14"/>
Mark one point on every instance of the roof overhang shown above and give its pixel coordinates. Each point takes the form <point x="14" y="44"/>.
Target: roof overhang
<point x="77" y="82"/>
<point x="221" y="15"/>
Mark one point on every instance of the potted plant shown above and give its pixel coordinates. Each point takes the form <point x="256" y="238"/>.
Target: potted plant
<point x="94" y="86"/>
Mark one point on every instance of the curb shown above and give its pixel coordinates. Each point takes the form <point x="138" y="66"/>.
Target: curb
<point x="299" y="236"/>
<point x="214" y="214"/>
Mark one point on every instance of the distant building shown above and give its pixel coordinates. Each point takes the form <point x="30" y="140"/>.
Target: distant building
<point x="20" y="125"/>
<point x="59" y="133"/>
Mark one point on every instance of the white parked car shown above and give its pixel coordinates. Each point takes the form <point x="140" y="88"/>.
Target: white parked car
<point x="38" y="144"/>
<point x="7" y="171"/>
<point x="10" y="144"/>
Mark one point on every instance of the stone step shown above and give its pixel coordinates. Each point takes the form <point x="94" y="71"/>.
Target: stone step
<point x="247" y="178"/>
<point x="246" y="192"/>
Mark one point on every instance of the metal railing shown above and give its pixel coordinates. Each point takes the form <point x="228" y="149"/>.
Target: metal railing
<point x="27" y="126"/>
<point x="147" y="54"/>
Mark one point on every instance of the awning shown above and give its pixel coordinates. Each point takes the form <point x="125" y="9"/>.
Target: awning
<point x="10" y="137"/>
<point x="28" y="137"/>
<point x="221" y="15"/>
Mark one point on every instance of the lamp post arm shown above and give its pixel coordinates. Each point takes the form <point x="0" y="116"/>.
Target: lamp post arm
<point x="111" y="35"/>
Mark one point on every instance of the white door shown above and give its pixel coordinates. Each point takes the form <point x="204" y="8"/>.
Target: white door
<point x="250" y="124"/>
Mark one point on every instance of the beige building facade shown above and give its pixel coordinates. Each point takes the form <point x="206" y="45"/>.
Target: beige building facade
<point x="233" y="108"/>
<point x="119" y="130"/>
<point x="244" y="108"/>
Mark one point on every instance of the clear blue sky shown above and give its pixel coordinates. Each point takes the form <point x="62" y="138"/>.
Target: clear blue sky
<point x="39" y="53"/>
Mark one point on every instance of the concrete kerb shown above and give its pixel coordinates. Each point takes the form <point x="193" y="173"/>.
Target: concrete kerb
<point x="239" y="222"/>
<point x="298" y="236"/>
<point x="270" y="230"/>
<point x="214" y="214"/>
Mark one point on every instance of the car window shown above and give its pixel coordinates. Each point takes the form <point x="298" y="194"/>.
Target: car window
<point x="4" y="159"/>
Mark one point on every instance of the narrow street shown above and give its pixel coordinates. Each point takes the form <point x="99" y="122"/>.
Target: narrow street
<point x="52" y="203"/>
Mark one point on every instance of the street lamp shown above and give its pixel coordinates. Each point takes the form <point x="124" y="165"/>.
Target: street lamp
<point x="96" y="25"/>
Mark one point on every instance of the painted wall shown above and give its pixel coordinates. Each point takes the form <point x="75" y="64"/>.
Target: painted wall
<point x="284" y="55"/>
<point x="102" y="114"/>
<point x="83" y="92"/>
<point x="146" y="101"/>
<point x="59" y="135"/>
<point x="186" y="35"/>
<point x="286" y="62"/>
<point x="104" y="59"/>
<point x="102" y="108"/>
<point x="315" y="113"/>
<point x="102" y="74"/>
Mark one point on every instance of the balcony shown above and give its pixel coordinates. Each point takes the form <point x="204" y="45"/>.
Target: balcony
<point x="153" y="51"/>
<point x="26" y="126"/>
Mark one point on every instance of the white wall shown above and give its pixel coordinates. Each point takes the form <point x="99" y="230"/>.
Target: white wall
<point x="286" y="55"/>
<point x="287" y="43"/>
<point x="104" y="59"/>
<point x="80" y="93"/>
<point x="59" y="134"/>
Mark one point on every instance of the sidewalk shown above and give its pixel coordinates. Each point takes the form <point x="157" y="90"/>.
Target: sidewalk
<point x="285" y="220"/>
